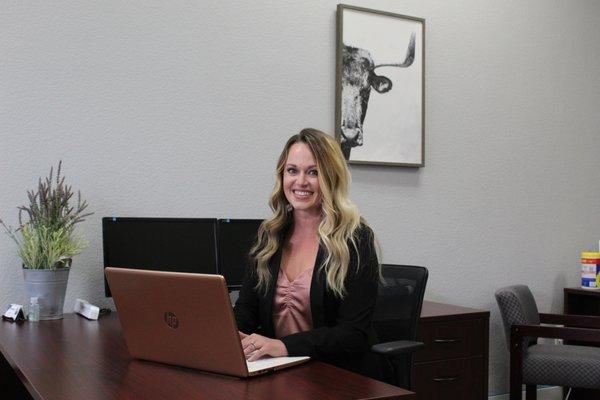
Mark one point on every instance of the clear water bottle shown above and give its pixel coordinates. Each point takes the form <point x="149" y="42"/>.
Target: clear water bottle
<point x="34" y="310"/>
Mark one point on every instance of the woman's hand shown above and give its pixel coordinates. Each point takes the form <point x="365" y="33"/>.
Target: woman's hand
<point x="256" y="346"/>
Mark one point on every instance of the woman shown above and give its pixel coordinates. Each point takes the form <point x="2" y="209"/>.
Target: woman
<point x="313" y="285"/>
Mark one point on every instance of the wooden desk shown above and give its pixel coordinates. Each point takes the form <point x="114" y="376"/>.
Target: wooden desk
<point x="582" y="302"/>
<point x="454" y="363"/>
<point x="74" y="359"/>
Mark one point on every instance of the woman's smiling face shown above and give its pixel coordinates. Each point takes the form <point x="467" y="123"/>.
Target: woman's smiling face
<point x="301" y="179"/>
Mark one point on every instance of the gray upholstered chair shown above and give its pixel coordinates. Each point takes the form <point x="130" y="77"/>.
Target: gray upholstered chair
<point x="547" y="364"/>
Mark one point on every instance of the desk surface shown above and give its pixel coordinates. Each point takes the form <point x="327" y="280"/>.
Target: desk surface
<point x="74" y="358"/>
<point x="584" y="292"/>
<point x="433" y="311"/>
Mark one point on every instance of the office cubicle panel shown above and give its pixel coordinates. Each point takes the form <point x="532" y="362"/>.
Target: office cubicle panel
<point x="235" y="237"/>
<point x="160" y="244"/>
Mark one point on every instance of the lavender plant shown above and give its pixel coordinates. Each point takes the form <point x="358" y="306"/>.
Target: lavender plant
<point x="46" y="239"/>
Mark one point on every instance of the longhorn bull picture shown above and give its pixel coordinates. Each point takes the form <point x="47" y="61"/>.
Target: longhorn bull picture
<point x="357" y="78"/>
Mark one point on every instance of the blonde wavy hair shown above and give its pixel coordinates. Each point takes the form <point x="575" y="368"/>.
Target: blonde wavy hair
<point x="340" y="217"/>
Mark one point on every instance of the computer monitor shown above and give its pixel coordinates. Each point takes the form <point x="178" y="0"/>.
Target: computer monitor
<point x="160" y="244"/>
<point x="235" y="238"/>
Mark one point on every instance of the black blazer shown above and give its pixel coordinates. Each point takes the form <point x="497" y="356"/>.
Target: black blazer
<point x="342" y="328"/>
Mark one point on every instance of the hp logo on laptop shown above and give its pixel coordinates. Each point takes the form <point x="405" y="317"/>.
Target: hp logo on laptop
<point x="171" y="320"/>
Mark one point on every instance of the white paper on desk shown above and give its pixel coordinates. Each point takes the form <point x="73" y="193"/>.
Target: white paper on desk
<point x="274" y="363"/>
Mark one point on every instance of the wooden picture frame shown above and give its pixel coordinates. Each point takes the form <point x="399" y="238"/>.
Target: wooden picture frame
<point x="393" y="130"/>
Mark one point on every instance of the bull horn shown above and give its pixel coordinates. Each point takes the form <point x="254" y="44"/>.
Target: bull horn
<point x="410" y="55"/>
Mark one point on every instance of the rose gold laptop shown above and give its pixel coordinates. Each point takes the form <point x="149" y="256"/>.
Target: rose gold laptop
<point x="183" y="319"/>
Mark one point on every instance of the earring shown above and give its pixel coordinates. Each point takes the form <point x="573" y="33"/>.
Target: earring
<point x="289" y="207"/>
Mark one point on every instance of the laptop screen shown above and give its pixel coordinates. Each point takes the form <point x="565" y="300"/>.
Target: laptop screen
<point x="235" y="238"/>
<point x="160" y="244"/>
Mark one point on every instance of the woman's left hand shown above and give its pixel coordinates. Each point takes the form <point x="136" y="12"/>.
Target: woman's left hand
<point x="256" y="346"/>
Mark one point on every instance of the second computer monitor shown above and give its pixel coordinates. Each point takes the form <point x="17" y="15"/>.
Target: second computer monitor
<point x="161" y="244"/>
<point x="235" y="238"/>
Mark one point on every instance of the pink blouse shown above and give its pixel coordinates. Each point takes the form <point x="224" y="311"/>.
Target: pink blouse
<point x="291" y="304"/>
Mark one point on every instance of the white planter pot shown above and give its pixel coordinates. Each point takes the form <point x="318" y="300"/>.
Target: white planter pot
<point x="49" y="286"/>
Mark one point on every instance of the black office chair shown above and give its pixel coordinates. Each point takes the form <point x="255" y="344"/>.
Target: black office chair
<point x="396" y="318"/>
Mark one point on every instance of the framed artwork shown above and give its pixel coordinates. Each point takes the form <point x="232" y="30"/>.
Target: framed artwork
<point x="380" y="96"/>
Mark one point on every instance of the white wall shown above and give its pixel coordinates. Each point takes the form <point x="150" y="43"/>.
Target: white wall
<point x="180" y="109"/>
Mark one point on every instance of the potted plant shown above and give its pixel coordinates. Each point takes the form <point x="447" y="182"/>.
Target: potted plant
<point x="47" y="242"/>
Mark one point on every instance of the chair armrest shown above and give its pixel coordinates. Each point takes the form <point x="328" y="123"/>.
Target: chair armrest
<point x="397" y="348"/>
<point x="518" y="332"/>
<point x="581" y="321"/>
